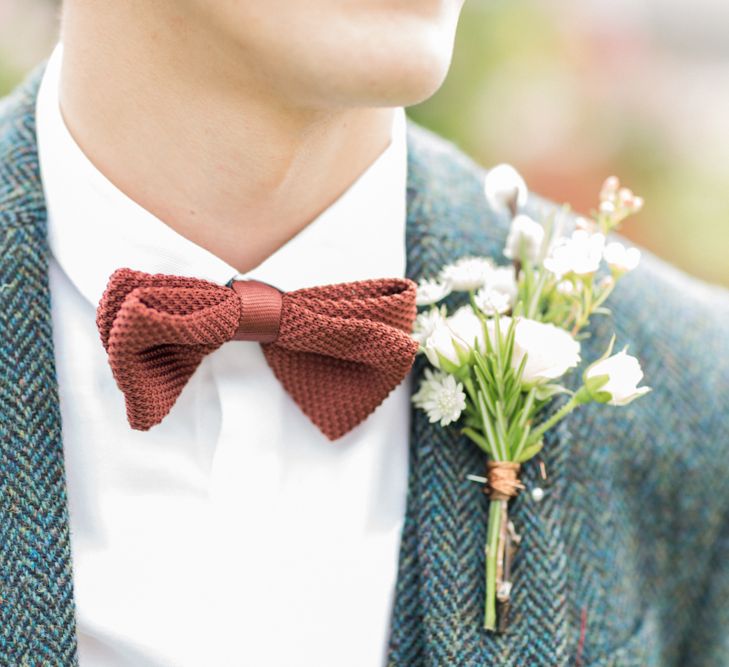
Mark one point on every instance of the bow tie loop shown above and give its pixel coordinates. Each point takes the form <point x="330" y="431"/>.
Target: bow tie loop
<point x="260" y="312"/>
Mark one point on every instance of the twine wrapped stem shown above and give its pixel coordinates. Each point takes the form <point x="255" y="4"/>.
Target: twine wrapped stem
<point x="503" y="484"/>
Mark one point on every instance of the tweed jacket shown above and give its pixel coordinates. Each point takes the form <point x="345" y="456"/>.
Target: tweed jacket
<point x="625" y="560"/>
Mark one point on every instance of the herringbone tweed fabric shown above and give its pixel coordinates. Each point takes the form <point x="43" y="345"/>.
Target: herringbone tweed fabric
<point x="338" y="350"/>
<point x="36" y="595"/>
<point x="625" y="562"/>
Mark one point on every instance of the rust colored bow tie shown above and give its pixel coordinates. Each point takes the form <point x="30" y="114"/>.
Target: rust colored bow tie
<point x="338" y="350"/>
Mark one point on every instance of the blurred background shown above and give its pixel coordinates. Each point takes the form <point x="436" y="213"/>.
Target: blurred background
<point x="569" y="92"/>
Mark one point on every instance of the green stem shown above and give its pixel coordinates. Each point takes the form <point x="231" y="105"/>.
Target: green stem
<point x="536" y="295"/>
<point x="556" y="417"/>
<point x="491" y="558"/>
<point x="605" y="294"/>
<point x="587" y="306"/>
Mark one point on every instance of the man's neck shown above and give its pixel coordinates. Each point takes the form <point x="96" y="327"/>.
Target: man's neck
<point x="204" y="146"/>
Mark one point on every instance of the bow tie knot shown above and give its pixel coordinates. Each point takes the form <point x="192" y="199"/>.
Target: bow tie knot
<point x="260" y="316"/>
<point x="338" y="350"/>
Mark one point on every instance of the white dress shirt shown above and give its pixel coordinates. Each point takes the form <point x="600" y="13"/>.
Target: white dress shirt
<point x="234" y="533"/>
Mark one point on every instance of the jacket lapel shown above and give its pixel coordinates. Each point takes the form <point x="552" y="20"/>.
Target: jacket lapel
<point x="36" y="610"/>
<point x="438" y="612"/>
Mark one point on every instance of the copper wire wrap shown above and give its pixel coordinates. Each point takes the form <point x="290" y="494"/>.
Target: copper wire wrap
<point x="503" y="480"/>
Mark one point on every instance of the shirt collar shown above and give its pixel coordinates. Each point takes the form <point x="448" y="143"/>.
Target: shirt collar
<point x="94" y="228"/>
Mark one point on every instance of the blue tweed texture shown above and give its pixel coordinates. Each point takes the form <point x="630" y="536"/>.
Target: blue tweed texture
<point x="624" y="562"/>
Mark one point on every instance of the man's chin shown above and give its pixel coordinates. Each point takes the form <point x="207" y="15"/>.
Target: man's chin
<point x="394" y="81"/>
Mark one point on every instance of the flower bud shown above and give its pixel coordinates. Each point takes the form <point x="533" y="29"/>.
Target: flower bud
<point x="623" y="374"/>
<point x="525" y="235"/>
<point x="609" y="187"/>
<point x="505" y="189"/>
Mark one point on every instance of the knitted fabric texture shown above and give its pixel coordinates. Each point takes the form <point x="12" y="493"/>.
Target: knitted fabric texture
<point x="341" y="349"/>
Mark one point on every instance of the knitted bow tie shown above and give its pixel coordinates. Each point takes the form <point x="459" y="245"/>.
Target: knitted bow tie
<point x="338" y="350"/>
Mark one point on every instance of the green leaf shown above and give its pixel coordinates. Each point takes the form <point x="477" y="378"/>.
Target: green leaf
<point x="511" y="401"/>
<point x="594" y="384"/>
<point x="501" y="427"/>
<point x="488" y="426"/>
<point x="487" y="388"/>
<point x="463" y="352"/>
<point x="499" y="346"/>
<point x="609" y="349"/>
<point x="470" y="390"/>
<point x="526" y="411"/>
<point x="447" y="365"/>
<point x="472" y="418"/>
<point x="478" y="439"/>
<point x="519" y="449"/>
<point x="544" y="392"/>
<point x="530" y="452"/>
<point x="520" y="370"/>
<point x="509" y="343"/>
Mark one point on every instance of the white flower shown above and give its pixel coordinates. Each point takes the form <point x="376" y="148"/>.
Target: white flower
<point x="466" y="273"/>
<point x="441" y="397"/>
<point x="624" y="373"/>
<point x="466" y="325"/>
<point x="441" y="343"/>
<point x="619" y="258"/>
<point x="426" y="322"/>
<point x="580" y="254"/>
<point x="431" y="291"/>
<point x="607" y="206"/>
<point x="550" y="351"/>
<point x="505" y="188"/>
<point x="566" y="287"/>
<point x="525" y="235"/>
<point x="499" y="292"/>
<point x="490" y="301"/>
<point x="459" y="332"/>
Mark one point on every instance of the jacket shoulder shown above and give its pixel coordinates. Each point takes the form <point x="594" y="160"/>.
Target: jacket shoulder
<point x="679" y="327"/>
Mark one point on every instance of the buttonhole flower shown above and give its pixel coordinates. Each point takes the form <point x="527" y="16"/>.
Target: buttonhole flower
<point x="621" y="259"/>
<point x="505" y="189"/>
<point x="441" y="397"/>
<point x="431" y="291"/>
<point x="467" y="273"/>
<point x="525" y="236"/>
<point x="614" y="379"/>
